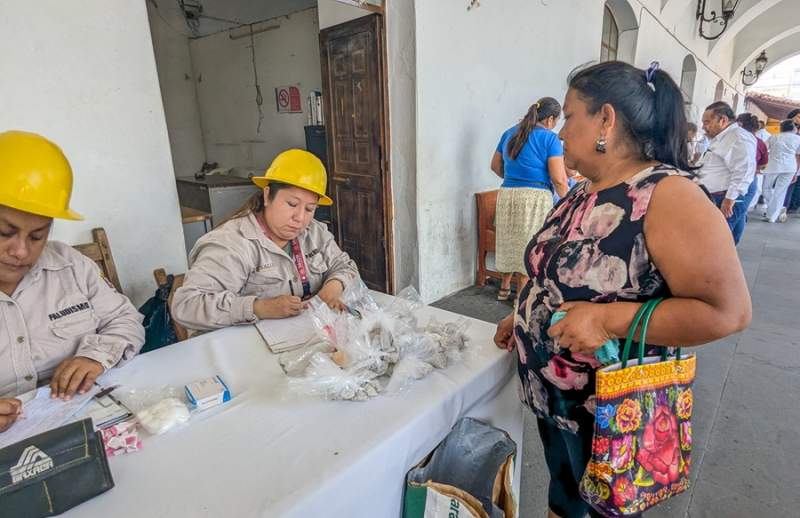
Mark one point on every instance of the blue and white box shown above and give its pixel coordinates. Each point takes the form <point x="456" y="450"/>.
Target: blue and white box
<point x="207" y="393"/>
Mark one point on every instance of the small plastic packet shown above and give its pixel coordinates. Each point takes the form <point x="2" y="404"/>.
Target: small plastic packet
<point x="121" y="438"/>
<point x="163" y="416"/>
<point x="157" y="409"/>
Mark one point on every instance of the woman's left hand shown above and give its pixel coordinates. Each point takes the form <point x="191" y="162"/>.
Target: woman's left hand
<point x="583" y="330"/>
<point x="331" y="294"/>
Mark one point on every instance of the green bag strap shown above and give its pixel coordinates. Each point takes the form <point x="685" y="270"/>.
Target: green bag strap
<point x="645" y="323"/>
<point x="626" y="350"/>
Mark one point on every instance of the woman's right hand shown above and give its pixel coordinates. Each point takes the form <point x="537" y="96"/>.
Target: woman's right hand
<point x="504" y="336"/>
<point x="278" y="307"/>
<point x="10" y="409"/>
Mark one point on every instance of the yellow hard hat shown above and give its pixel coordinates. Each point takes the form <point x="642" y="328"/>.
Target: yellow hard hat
<point x="35" y="176"/>
<point x="299" y="168"/>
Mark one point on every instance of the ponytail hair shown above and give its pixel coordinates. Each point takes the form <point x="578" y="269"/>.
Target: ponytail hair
<point x="539" y="111"/>
<point x="648" y="104"/>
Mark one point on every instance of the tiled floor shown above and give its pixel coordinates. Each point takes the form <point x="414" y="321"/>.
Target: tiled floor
<point x="747" y="395"/>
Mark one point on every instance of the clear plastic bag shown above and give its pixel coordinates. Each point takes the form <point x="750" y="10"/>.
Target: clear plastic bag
<point x="408" y="370"/>
<point x="158" y="409"/>
<point x="370" y="341"/>
<point x="323" y="378"/>
<point x="358" y="298"/>
<point x="405" y="304"/>
<point x="294" y="363"/>
<point x="452" y="336"/>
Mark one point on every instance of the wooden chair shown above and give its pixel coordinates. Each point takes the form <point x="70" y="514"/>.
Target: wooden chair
<point x="160" y="276"/>
<point x="486" y="202"/>
<point x="99" y="251"/>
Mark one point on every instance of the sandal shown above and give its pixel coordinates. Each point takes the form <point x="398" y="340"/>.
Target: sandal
<point x="503" y="294"/>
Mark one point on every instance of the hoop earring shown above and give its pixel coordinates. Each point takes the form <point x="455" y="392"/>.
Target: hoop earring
<point x="600" y="147"/>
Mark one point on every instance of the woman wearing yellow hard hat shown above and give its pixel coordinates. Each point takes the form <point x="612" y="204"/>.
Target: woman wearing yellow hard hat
<point x="270" y="256"/>
<point x="61" y="320"/>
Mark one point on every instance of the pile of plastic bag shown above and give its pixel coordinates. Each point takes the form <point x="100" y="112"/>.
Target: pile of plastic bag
<point x="370" y="349"/>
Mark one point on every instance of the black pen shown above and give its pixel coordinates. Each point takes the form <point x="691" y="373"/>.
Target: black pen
<point x="291" y="288"/>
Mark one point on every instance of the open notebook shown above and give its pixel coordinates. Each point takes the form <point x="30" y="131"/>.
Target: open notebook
<point x="288" y="334"/>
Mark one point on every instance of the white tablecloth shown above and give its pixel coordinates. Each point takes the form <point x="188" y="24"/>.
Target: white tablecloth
<point x="270" y="453"/>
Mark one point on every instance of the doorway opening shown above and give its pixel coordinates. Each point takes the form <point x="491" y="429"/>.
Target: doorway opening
<point x="242" y="81"/>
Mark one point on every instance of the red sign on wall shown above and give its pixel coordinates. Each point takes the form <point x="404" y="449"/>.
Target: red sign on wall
<point x="287" y="98"/>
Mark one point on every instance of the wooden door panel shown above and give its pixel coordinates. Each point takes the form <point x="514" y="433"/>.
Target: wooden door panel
<point x="352" y="84"/>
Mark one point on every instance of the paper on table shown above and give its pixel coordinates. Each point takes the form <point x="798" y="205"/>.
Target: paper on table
<point x="287" y="334"/>
<point x="41" y="414"/>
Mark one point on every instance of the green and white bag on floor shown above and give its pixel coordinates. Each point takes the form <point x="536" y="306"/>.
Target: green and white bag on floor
<point x="469" y="475"/>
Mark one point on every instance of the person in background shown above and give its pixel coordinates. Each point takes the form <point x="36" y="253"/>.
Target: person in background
<point x="794" y="116"/>
<point x="792" y="202"/>
<point x="529" y="159"/>
<point x="784" y="151"/>
<point x="728" y="167"/>
<point x="697" y="143"/>
<point x="762" y="132"/>
<point x="61" y="322"/>
<point x="749" y="122"/>
<point x="616" y="241"/>
<point x="269" y="257"/>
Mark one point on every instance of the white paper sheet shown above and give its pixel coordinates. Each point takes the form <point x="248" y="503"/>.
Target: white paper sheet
<point x="287" y="334"/>
<point x="41" y="414"/>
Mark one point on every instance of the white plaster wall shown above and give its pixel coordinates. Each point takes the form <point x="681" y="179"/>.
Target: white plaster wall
<point x="176" y="80"/>
<point x="332" y="12"/>
<point x="478" y="71"/>
<point x="401" y="57"/>
<point x="226" y="90"/>
<point x="84" y="75"/>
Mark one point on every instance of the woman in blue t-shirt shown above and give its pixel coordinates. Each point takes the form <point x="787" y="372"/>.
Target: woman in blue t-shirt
<point x="530" y="160"/>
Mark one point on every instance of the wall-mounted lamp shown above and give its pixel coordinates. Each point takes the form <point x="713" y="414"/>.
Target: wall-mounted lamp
<point x="749" y="77"/>
<point x="722" y="19"/>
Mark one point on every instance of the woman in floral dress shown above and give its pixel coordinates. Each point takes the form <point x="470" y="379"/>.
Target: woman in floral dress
<point x="637" y="228"/>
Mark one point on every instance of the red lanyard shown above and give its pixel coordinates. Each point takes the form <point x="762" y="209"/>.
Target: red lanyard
<point x="300" y="264"/>
<point x="297" y="256"/>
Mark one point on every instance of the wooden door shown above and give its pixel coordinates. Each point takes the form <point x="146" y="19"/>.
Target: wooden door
<point x="353" y="79"/>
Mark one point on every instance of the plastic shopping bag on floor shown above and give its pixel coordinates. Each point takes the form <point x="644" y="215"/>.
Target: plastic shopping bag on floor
<point x="468" y="475"/>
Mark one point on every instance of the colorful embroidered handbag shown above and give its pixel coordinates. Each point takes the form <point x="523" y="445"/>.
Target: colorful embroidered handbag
<point x="641" y="451"/>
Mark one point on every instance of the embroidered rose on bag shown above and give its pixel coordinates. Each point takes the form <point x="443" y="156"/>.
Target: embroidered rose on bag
<point x="659" y="452"/>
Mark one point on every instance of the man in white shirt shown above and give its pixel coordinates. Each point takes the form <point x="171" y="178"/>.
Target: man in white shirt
<point x="728" y="167"/>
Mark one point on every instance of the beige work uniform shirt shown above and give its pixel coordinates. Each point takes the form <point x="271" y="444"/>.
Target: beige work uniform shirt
<point x="63" y="308"/>
<point x="235" y="264"/>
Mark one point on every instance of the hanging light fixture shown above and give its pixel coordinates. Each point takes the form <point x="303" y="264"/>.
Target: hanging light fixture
<point x="749" y="77"/>
<point x="728" y="9"/>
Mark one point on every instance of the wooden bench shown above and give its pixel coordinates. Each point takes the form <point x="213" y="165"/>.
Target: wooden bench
<point x="487" y="204"/>
<point x="99" y="251"/>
